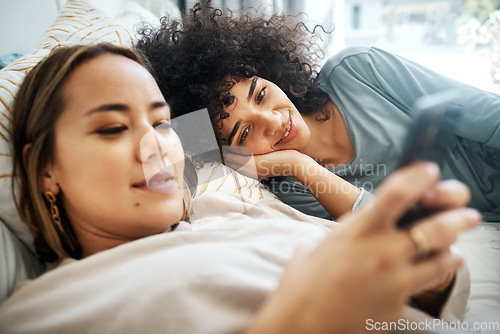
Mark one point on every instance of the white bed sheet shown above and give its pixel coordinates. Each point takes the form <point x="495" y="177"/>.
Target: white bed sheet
<point x="481" y="250"/>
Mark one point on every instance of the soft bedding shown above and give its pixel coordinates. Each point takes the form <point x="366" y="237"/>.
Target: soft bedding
<point x="209" y="280"/>
<point x="481" y="250"/>
<point x="210" y="276"/>
<point x="207" y="277"/>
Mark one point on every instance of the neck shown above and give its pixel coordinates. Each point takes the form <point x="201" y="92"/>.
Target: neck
<point x="93" y="242"/>
<point x="330" y="144"/>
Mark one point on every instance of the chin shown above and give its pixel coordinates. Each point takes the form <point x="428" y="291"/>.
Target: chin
<point x="173" y="212"/>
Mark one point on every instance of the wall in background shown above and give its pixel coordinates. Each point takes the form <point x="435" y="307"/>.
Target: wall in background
<point x="22" y="23"/>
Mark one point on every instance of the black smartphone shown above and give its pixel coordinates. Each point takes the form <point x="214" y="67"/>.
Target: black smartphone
<point x="427" y="138"/>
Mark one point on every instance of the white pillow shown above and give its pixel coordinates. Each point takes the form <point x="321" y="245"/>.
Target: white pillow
<point x="17" y="262"/>
<point x="77" y="23"/>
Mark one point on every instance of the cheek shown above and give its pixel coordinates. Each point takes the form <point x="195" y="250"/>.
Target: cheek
<point x="91" y="164"/>
<point x="260" y="146"/>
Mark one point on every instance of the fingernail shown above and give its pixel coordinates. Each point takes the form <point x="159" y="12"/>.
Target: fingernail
<point x="474" y="214"/>
<point x="433" y="167"/>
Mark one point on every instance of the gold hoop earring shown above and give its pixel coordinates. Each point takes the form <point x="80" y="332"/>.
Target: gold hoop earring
<point x="54" y="211"/>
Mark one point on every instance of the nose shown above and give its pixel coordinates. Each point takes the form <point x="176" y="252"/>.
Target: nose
<point x="269" y="121"/>
<point x="151" y="147"/>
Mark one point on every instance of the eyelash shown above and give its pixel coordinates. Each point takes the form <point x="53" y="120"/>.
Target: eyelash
<point x="164" y="126"/>
<point x="261" y="95"/>
<point x="258" y="100"/>
<point x="112" y="131"/>
<point x="244" y="134"/>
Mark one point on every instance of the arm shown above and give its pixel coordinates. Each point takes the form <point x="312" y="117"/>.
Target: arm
<point x="375" y="272"/>
<point x="479" y="108"/>
<point x="335" y="195"/>
<point x="402" y="81"/>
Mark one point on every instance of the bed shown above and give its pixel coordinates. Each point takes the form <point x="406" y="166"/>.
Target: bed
<point x="222" y="195"/>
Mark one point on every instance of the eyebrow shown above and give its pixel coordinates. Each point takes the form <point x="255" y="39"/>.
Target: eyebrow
<point x="159" y="104"/>
<point x="233" y="133"/>
<point x="122" y="107"/>
<point x="252" y="88"/>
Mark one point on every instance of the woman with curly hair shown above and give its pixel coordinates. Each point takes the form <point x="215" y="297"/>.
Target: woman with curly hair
<point x="315" y="134"/>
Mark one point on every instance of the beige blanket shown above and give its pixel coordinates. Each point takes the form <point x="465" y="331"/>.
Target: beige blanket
<point x="209" y="280"/>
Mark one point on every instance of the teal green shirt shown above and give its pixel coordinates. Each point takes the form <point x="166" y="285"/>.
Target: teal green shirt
<point x="375" y="92"/>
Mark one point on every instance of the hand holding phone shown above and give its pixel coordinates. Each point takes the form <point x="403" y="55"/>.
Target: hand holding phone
<point x="426" y="139"/>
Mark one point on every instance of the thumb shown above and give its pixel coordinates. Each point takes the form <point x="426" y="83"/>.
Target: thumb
<point x="399" y="192"/>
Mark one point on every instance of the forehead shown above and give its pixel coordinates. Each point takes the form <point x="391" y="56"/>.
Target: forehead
<point x="108" y="68"/>
<point x="110" y="76"/>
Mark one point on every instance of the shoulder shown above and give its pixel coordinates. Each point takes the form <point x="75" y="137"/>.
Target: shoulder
<point x="357" y="57"/>
<point x="363" y="61"/>
<point x="345" y="54"/>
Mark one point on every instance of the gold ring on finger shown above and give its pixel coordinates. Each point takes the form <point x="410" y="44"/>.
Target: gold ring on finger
<point x="421" y="241"/>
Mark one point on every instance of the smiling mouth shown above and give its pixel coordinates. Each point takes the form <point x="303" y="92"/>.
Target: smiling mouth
<point x="287" y="131"/>
<point x="161" y="182"/>
<point x="153" y="183"/>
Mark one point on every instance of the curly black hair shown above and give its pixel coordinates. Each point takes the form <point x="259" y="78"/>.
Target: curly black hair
<point x="198" y="60"/>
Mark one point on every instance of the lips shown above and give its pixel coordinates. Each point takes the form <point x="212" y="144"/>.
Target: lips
<point x="161" y="182"/>
<point x="289" y="132"/>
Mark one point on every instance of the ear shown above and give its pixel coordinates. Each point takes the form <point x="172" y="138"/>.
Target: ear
<point x="46" y="180"/>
